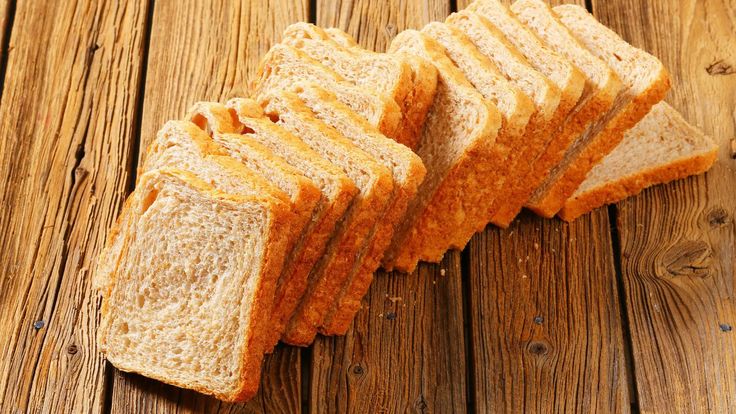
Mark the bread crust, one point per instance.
(634, 184)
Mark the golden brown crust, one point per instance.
(603, 144)
(628, 186)
(417, 102)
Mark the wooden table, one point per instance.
(630, 308)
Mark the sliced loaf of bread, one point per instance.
(386, 74)
(341, 258)
(408, 173)
(662, 147)
(284, 65)
(547, 97)
(645, 83)
(338, 192)
(458, 147)
(521, 127)
(190, 299)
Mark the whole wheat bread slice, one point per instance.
(284, 65)
(390, 75)
(408, 172)
(521, 128)
(338, 192)
(420, 97)
(645, 81)
(547, 97)
(375, 183)
(458, 147)
(662, 147)
(191, 294)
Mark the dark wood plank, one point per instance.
(405, 350)
(202, 50)
(67, 115)
(677, 240)
(545, 318)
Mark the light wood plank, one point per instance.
(405, 351)
(677, 240)
(545, 318)
(203, 50)
(67, 115)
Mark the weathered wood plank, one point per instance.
(405, 351)
(67, 116)
(546, 334)
(677, 240)
(202, 50)
(5, 12)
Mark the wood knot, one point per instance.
(688, 258)
(538, 348)
(72, 349)
(421, 404)
(720, 68)
(718, 217)
(358, 369)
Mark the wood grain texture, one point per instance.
(545, 318)
(405, 350)
(544, 314)
(5, 27)
(677, 241)
(67, 117)
(202, 50)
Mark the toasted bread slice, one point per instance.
(517, 109)
(338, 192)
(408, 172)
(284, 65)
(420, 97)
(551, 110)
(645, 81)
(375, 183)
(662, 147)
(458, 148)
(191, 294)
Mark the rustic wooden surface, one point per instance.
(630, 308)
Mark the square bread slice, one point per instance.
(601, 90)
(284, 65)
(521, 126)
(458, 148)
(375, 183)
(424, 85)
(645, 81)
(387, 74)
(338, 191)
(551, 110)
(408, 173)
(662, 147)
(192, 291)
(185, 146)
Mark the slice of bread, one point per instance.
(458, 148)
(420, 97)
(284, 65)
(389, 75)
(192, 292)
(183, 145)
(375, 183)
(662, 147)
(545, 94)
(408, 173)
(517, 109)
(338, 192)
(602, 87)
(646, 82)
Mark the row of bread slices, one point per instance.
(263, 220)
